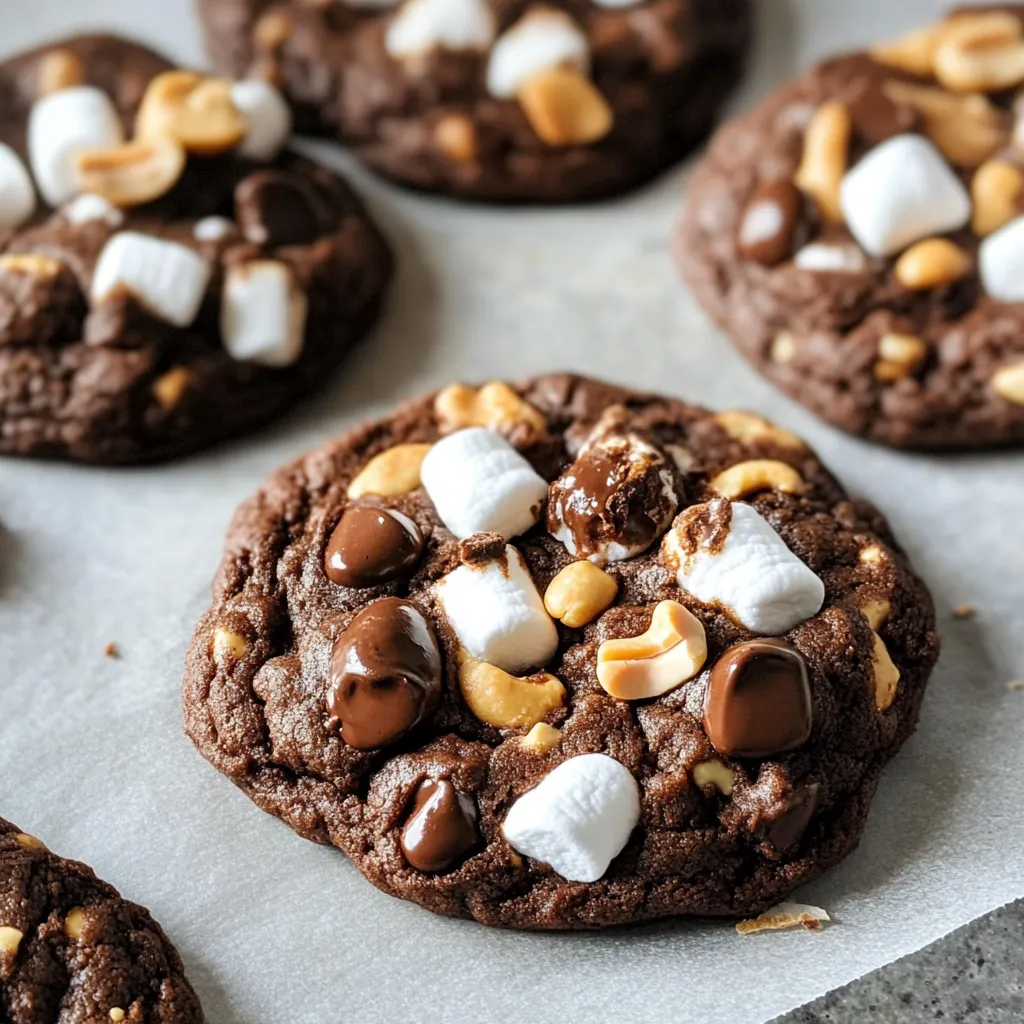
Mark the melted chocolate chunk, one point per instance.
(877, 117)
(788, 828)
(771, 222)
(277, 208)
(441, 829)
(372, 545)
(385, 674)
(759, 700)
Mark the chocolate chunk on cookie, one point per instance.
(496, 101)
(182, 276)
(860, 234)
(563, 655)
(71, 949)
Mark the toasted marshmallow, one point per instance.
(541, 39)
(1001, 262)
(61, 124)
(424, 25)
(263, 313)
(743, 565)
(89, 207)
(17, 196)
(497, 614)
(578, 818)
(269, 117)
(479, 483)
(167, 279)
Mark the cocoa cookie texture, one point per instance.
(494, 100)
(860, 236)
(166, 292)
(72, 949)
(493, 727)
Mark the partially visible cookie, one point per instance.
(165, 292)
(71, 949)
(494, 100)
(860, 234)
(563, 655)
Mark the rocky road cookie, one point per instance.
(71, 949)
(563, 656)
(860, 234)
(496, 99)
(168, 291)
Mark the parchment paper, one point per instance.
(274, 929)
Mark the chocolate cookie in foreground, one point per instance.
(71, 949)
(496, 101)
(563, 656)
(860, 234)
(173, 289)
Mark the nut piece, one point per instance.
(912, 52)
(876, 610)
(887, 675)
(995, 192)
(74, 923)
(10, 939)
(932, 263)
(785, 915)
(169, 388)
(899, 356)
(273, 30)
(871, 555)
(133, 173)
(579, 593)
(783, 348)
(541, 738)
(30, 263)
(1008, 383)
(672, 651)
(117, 1014)
(198, 112)
(391, 473)
(980, 53)
(29, 842)
(746, 426)
(455, 136)
(826, 151)
(228, 646)
(714, 773)
(564, 108)
(59, 69)
(757, 475)
(505, 701)
(495, 405)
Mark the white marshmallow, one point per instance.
(269, 117)
(902, 191)
(497, 613)
(370, 5)
(828, 258)
(89, 206)
(62, 124)
(541, 39)
(1001, 262)
(212, 229)
(263, 313)
(479, 483)
(423, 25)
(17, 196)
(578, 818)
(753, 574)
(168, 279)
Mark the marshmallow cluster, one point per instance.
(479, 483)
(578, 818)
(17, 196)
(269, 117)
(497, 614)
(424, 25)
(1001, 262)
(542, 39)
(263, 313)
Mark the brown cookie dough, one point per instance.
(124, 335)
(891, 315)
(71, 949)
(426, 714)
(590, 100)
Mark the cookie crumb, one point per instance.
(963, 611)
(1015, 685)
(112, 650)
(785, 915)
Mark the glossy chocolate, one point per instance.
(372, 545)
(441, 828)
(759, 700)
(877, 117)
(769, 227)
(385, 674)
(788, 828)
(277, 208)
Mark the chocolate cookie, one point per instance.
(614, 658)
(860, 234)
(170, 291)
(71, 949)
(497, 100)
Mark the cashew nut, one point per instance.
(980, 53)
(887, 675)
(133, 173)
(541, 738)
(995, 192)
(10, 939)
(393, 472)
(198, 112)
(455, 136)
(672, 651)
(826, 151)
(757, 475)
(746, 426)
(714, 773)
(931, 263)
(899, 355)
(564, 108)
(579, 593)
(912, 52)
(505, 701)
(494, 405)
(1008, 383)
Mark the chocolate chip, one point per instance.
(441, 829)
(768, 228)
(372, 545)
(276, 208)
(787, 829)
(385, 674)
(759, 700)
(877, 117)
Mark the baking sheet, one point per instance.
(273, 929)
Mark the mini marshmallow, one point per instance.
(479, 483)
(753, 574)
(541, 39)
(269, 117)
(89, 207)
(263, 313)
(901, 192)
(213, 229)
(578, 818)
(826, 258)
(166, 278)
(423, 25)
(497, 613)
(61, 124)
(17, 196)
(1001, 262)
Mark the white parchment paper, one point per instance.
(274, 929)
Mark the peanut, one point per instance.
(980, 53)
(541, 738)
(10, 939)
(59, 69)
(564, 108)
(714, 773)
(494, 405)
(1008, 383)
(887, 675)
(133, 173)
(746, 426)
(455, 136)
(198, 112)
(74, 923)
(227, 646)
(899, 356)
(505, 701)
(169, 388)
(826, 151)
(995, 192)
(757, 475)
(931, 263)
(117, 1015)
(393, 472)
(783, 348)
(871, 555)
(579, 593)
(29, 842)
